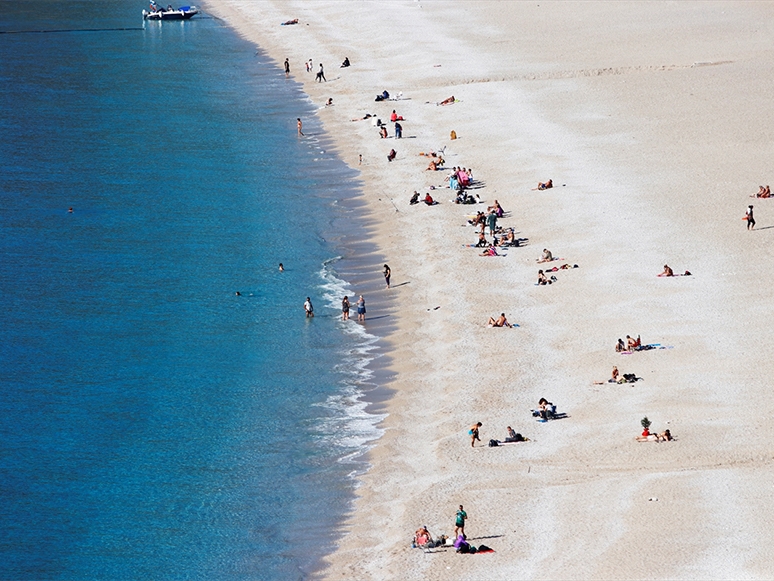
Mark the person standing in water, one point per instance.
(387, 274)
(361, 310)
(345, 308)
(287, 68)
(300, 125)
(309, 308)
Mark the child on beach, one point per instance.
(473, 433)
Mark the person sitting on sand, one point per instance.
(383, 132)
(473, 433)
(620, 347)
(545, 409)
(345, 64)
(414, 199)
(547, 256)
(614, 377)
(391, 155)
(509, 238)
(482, 243)
(542, 278)
(429, 200)
(448, 101)
(667, 271)
(423, 539)
(395, 117)
(631, 344)
(501, 321)
(432, 166)
(515, 436)
(763, 192)
(544, 185)
(329, 102)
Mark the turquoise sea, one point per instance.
(152, 423)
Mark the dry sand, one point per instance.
(654, 122)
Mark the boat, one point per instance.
(169, 13)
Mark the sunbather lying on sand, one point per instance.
(500, 321)
(290, 22)
(367, 116)
(448, 101)
(547, 256)
(491, 251)
(423, 539)
(544, 185)
(665, 436)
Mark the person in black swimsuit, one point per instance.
(345, 308)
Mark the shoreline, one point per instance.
(621, 113)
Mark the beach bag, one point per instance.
(493, 443)
(453, 135)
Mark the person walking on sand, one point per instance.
(321, 74)
(361, 310)
(345, 308)
(300, 125)
(387, 275)
(459, 523)
(750, 220)
(473, 433)
(287, 68)
(309, 308)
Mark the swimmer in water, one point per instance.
(281, 268)
(238, 294)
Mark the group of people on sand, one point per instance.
(513, 436)
(763, 192)
(424, 540)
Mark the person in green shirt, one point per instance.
(459, 527)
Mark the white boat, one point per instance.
(169, 13)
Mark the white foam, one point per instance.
(349, 427)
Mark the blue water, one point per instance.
(152, 423)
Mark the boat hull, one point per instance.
(169, 15)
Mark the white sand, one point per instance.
(657, 118)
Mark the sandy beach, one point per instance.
(652, 120)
